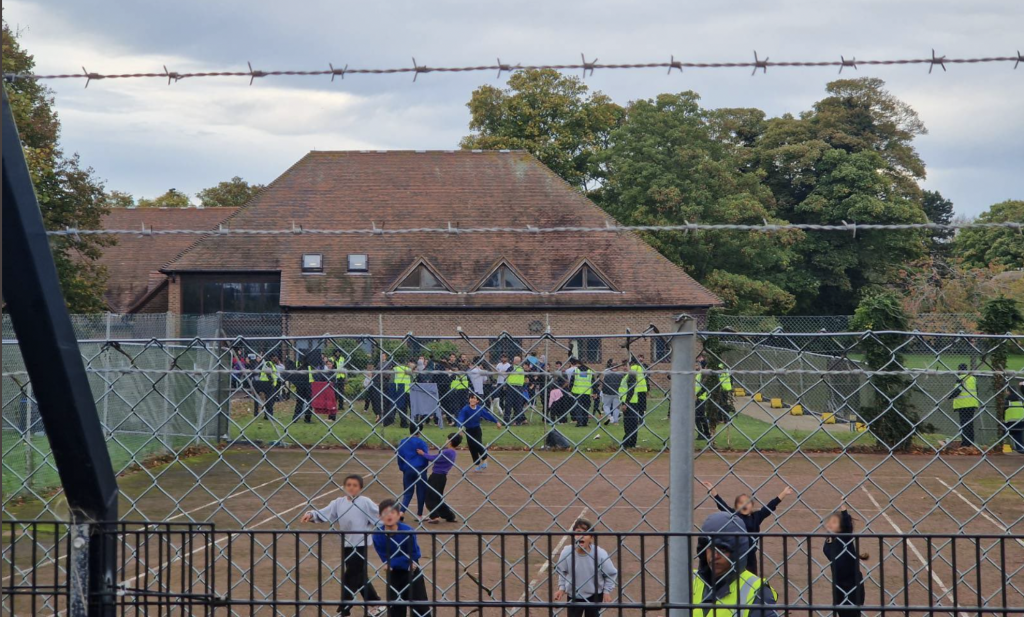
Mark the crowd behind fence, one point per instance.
(199, 569)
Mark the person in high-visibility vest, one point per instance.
(637, 368)
(629, 401)
(266, 387)
(403, 384)
(725, 390)
(458, 391)
(514, 395)
(721, 579)
(582, 391)
(966, 404)
(1014, 417)
(700, 413)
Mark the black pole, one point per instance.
(54, 363)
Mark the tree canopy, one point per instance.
(69, 194)
(982, 247)
(555, 117)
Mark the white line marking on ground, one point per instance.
(913, 547)
(988, 518)
(547, 564)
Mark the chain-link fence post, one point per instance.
(681, 406)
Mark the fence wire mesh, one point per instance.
(251, 432)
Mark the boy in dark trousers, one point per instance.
(469, 419)
(396, 545)
(355, 515)
(444, 461)
(841, 550)
(743, 507)
(413, 466)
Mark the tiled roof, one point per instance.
(434, 189)
(133, 264)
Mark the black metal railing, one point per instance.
(198, 569)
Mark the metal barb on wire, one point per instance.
(335, 72)
(1019, 58)
(588, 66)
(759, 64)
(418, 68)
(845, 63)
(254, 74)
(672, 64)
(91, 76)
(508, 68)
(939, 60)
(171, 75)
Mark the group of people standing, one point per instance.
(270, 379)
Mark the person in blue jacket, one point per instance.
(396, 545)
(413, 466)
(469, 420)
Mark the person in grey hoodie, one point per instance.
(721, 578)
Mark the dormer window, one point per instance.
(503, 279)
(421, 279)
(312, 263)
(586, 279)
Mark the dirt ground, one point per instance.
(541, 493)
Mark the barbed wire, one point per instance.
(253, 372)
(298, 230)
(501, 67)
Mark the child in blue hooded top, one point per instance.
(413, 466)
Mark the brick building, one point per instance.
(135, 283)
(429, 284)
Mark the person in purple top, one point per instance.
(469, 420)
(437, 509)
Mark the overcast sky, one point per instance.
(145, 137)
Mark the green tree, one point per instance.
(232, 193)
(173, 198)
(890, 417)
(1002, 246)
(1000, 316)
(553, 116)
(850, 159)
(939, 210)
(672, 161)
(69, 195)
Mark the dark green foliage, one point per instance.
(890, 417)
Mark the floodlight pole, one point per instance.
(681, 406)
(54, 363)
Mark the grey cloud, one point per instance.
(145, 137)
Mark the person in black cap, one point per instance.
(721, 578)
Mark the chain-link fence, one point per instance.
(253, 432)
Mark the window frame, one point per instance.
(366, 264)
(584, 271)
(312, 270)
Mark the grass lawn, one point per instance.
(354, 429)
(948, 362)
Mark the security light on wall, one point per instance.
(312, 262)
(358, 263)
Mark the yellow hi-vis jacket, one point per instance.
(743, 590)
(967, 395)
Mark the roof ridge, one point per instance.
(252, 201)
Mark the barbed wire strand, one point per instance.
(613, 228)
(586, 67)
(252, 372)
